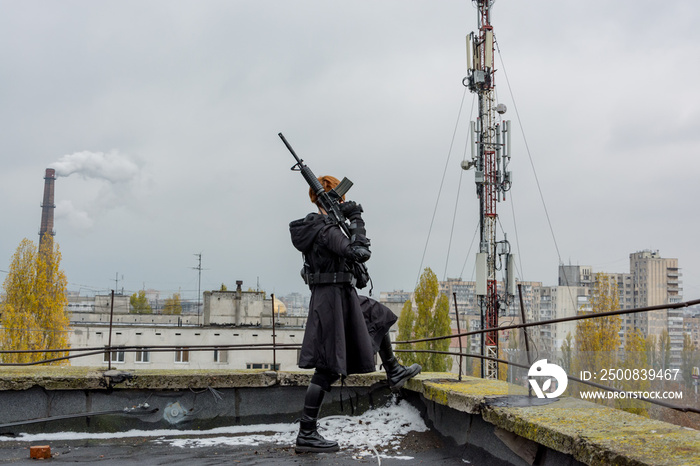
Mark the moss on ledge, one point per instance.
(93, 378)
(591, 433)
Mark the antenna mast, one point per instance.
(490, 149)
(199, 285)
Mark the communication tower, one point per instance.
(490, 156)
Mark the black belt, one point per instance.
(329, 278)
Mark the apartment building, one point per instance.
(652, 280)
(656, 281)
(558, 302)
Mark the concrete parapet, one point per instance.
(492, 415)
(82, 378)
(591, 433)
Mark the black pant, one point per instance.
(324, 378)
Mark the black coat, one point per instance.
(343, 330)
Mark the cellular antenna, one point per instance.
(490, 149)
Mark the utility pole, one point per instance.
(116, 283)
(199, 284)
(490, 151)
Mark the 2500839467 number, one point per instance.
(638, 374)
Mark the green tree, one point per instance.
(431, 319)
(665, 349)
(689, 359)
(139, 303)
(635, 359)
(440, 325)
(405, 323)
(567, 353)
(173, 305)
(34, 310)
(223, 287)
(650, 349)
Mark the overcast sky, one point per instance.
(162, 118)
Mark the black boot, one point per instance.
(308, 439)
(396, 374)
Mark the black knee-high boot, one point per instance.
(396, 374)
(308, 439)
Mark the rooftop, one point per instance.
(247, 416)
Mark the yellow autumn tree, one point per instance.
(34, 313)
(597, 340)
(139, 303)
(173, 305)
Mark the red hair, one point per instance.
(328, 182)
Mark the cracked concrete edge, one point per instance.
(600, 435)
(591, 433)
(63, 378)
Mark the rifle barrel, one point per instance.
(289, 147)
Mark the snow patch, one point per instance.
(381, 428)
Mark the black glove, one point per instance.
(360, 252)
(351, 210)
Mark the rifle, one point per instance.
(330, 202)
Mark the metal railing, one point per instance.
(526, 325)
(274, 346)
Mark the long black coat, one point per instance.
(343, 330)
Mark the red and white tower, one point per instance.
(490, 159)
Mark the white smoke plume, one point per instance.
(113, 166)
(76, 217)
(113, 180)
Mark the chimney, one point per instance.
(239, 291)
(47, 206)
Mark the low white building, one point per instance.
(232, 321)
(137, 346)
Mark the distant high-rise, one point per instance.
(47, 206)
(575, 275)
(651, 281)
(656, 281)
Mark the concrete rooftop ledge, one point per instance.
(582, 431)
(82, 378)
(590, 433)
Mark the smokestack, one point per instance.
(239, 291)
(48, 206)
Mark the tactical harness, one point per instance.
(326, 278)
(340, 277)
(345, 272)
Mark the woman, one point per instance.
(343, 330)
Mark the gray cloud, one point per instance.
(180, 103)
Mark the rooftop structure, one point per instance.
(217, 416)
